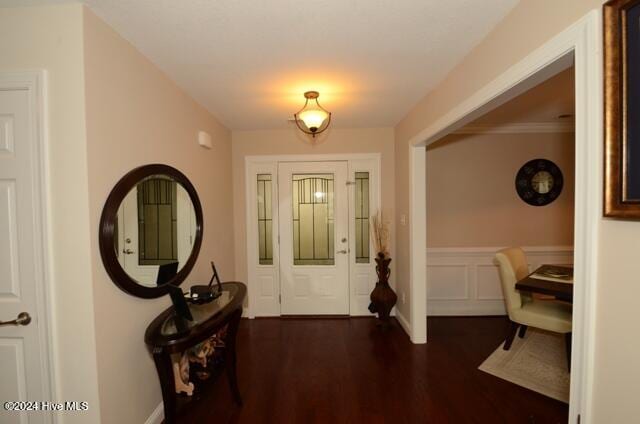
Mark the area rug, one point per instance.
(537, 362)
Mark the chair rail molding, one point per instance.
(466, 281)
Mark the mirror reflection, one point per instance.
(155, 229)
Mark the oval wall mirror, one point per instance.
(151, 230)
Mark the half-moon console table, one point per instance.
(164, 339)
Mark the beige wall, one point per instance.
(471, 196)
(136, 116)
(50, 38)
(527, 27)
(617, 370)
(292, 141)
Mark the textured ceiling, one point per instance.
(248, 62)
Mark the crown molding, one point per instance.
(519, 128)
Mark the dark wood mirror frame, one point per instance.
(109, 218)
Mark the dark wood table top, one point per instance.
(207, 318)
(561, 291)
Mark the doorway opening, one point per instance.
(506, 180)
(578, 44)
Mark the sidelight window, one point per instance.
(265, 220)
(362, 217)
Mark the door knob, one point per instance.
(23, 319)
(128, 252)
(343, 251)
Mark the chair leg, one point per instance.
(567, 341)
(523, 331)
(512, 334)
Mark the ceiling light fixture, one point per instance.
(312, 118)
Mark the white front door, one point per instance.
(23, 365)
(314, 230)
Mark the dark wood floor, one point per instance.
(347, 371)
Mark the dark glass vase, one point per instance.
(383, 298)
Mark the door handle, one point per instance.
(343, 251)
(23, 319)
(128, 252)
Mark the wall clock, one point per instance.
(539, 182)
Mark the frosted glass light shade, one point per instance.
(314, 117)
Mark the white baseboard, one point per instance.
(465, 280)
(245, 314)
(157, 415)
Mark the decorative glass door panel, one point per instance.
(157, 222)
(314, 251)
(313, 219)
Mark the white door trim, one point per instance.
(417, 243)
(35, 83)
(580, 42)
(269, 164)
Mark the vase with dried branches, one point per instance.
(383, 298)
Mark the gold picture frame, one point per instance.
(622, 109)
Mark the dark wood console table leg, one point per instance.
(164, 367)
(230, 356)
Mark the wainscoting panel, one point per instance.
(465, 281)
(486, 278)
(448, 282)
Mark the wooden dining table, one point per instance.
(561, 291)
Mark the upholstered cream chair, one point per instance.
(525, 311)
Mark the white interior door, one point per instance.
(314, 230)
(22, 361)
